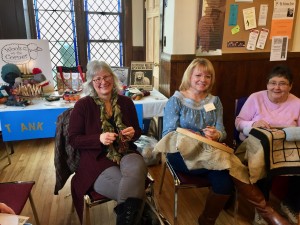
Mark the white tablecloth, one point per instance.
(153, 105)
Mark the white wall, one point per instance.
(180, 26)
(137, 22)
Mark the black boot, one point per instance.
(128, 212)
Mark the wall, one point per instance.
(137, 22)
(180, 24)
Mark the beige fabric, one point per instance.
(197, 155)
(254, 154)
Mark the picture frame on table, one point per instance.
(123, 74)
(141, 75)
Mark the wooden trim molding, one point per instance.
(127, 32)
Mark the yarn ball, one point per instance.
(10, 72)
(36, 70)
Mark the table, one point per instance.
(39, 119)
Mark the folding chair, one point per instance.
(182, 180)
(15, 195)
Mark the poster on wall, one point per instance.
(283, 18)
(210, 27)
(27, 54)
(279, 48)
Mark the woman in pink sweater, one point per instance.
(274, 107)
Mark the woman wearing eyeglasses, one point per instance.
(274, 107)
(103, 127)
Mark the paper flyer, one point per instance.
(249, 18)
(279, 48)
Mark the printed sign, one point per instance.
(27, 54)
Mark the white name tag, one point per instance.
(209, 107)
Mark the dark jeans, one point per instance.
(220, 180)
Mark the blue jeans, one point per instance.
(220, 180)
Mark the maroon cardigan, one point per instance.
(84, 135)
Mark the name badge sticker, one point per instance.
(209, 107)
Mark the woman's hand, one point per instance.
(128, 132)
(6, 209)
(107, 138)
(261, 123)
(211, 133)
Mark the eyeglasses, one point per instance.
(280, 84)
(100, 79)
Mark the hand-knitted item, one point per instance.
(120, 146)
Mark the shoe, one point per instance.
(149, 216)
(258, 220)
(254, 196)
(289, 213)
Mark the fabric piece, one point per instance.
(254, 154)
(199, 155)
(292, 133)
(268, 153)
(281, 157)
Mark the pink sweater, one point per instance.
(259, 107)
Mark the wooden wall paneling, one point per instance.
(138, 53)
(164, 81)
(127, 32)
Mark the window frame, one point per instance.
(80, 21)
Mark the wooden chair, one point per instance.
(92, 198)
(182, 180)
(15, 194)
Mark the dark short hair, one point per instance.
(281, 71)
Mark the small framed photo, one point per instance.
(141, 75)
(123, 74)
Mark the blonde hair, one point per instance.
(207, 67)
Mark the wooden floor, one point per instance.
(34, 160)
